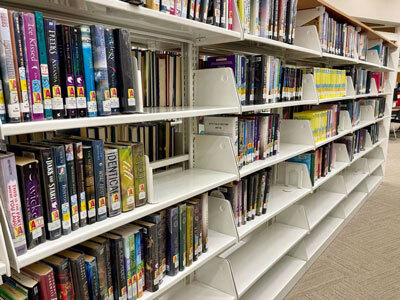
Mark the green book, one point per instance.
(189, 234)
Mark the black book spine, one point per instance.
(125, 70)
(77, 56)
(80, 183)
(150, 257)
(89, 184)
(67, 70)
(83, 283)
(112, 69)
(72, 190)
(223, 5)
(107, 250)
(53, 60)
(172, 241)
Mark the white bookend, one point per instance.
(307, 37)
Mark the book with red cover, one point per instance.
(44, 274)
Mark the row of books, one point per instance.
(319, 162)
(361, 79)
(378, 106)
(160, 139)
(52, 71)
(355, 142)
(383, 51)
(374, 132)
(330, 83)
(324, 120)
(161, 73)
(248, 197)
(380, 79)
(253, 137)
(272, 19)
(218, 13)
(122, 263)
(66, 183)
(354, 109)
(340, 38)
(260, 79)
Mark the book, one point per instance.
(163, 246)
(100, 70)
(112, 70)
(24, 282)
(53, 60)
(20, 67)
(11, 201)
(204, 220)
(79, 75)
(150, 247)
(197, 234)
(92, 276)
(156, 219)
(31, 200)
(64, 44)
(139, 174)
(189, 234)
(89, 184)
(113, 182)
(172, 241)
(7, 291)
(79, 279)
(88, 69)
(44, 68)
(43, 273)
(62, 275)
(125, 73)
(182, 236)
(8, 74)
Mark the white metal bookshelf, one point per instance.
(301, 219)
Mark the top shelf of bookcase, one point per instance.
(340, 15)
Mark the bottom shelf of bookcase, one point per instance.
(198, 291)
(217, 243)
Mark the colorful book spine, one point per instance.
(89, 184)
(21, 70)
(79, 75)
(8, 70)
(100, 70)
(31, 200)
(72, 186)
(99, 178)
(182, 236)
(10, 198)
(113, 183)
(112, 69)
(44, 68)
(189, 234)
(172, 241)
(126, 178)
(139, 174)
(125, 74)
(33, 66)
(3, 115)
(89, 71)
(53, 60)
(80, 183)
(92, 276)
(139, 263)
(204, 220)
(67, 69)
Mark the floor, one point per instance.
(363, 262)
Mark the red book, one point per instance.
(230, 14)
(45, 276)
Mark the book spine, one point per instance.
(83, 282)
(127, 265)
(28, 178)
(92, 278)
(79, 75)
(204, 220)
(100, 70)
(196, 231)
(197, 15)
(150, 255)
(126, 178)
(72, 189)
(88, 71)
(112, 69)
(182, 236)
(99, 179)
(189, 235)
(230, 14)
(139, 263)
(120, 269)
(172, 241)
(113, 183)
(49, 192)
(44, 68)
(80, 183)
(125, 70)
(53, 60)
(139, 174)
(3, 114)
(89, 184)
(8, 70)
(21, 71)
(67, 71)
(132, 256)
(12, 204)
(33, 67)
(163, 246)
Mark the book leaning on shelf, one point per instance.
(122, 263)
(51, 71)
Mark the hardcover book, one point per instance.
(100, 70)
(24, 282)
(9, 291)
(53, 60)
(44, 68)
(33, 68)
(182, 236)
(204, 220)
(172, 241)
(113, 182)
(8, 70)
(89, 184)
(197, 235)
(11, 201)
(189, 234)
(156, 219)
(112, 69)
(31, 200)
(92, 276)
(79, 75)
(43, 273)
(88, 70)
(139, 174)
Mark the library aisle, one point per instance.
(363, 261)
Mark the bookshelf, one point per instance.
(301, 219)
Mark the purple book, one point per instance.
(228, 61)
(33, 67)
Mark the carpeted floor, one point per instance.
(363, 262)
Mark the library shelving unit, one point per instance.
(264, 258)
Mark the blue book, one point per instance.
(112, 69)
(92, 276)
(88, 71)
(100, 70)
(304, 158)
(44, 68)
